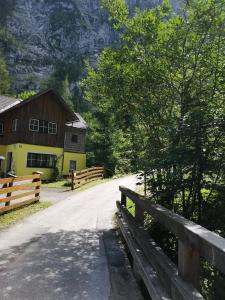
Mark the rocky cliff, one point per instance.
(53, 33)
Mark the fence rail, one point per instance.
(80, 178)
(26, 191)
(158, 272)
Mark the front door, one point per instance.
(9, 162)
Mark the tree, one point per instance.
(26, 95)
(65, 92)
(4, 77)
(167, 76)
(59, 81)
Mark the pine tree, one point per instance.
(4, 77)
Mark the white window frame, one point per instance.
(36, 125)
(43, 126)
(56, 128)
(72, 161)
(52, 155)
(14, 125)
(2, 128)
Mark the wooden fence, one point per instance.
(160, 275)
(80, 178)
(25, 190)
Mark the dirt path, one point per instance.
(61, 252)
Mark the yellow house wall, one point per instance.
(3, 153)
(80, 158)
(20, 159)
(19, 153)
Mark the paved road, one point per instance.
(61, 252)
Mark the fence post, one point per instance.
(123, 199)
(5, 185)
(10, 185)
(188, 263)
(72, 179)
(37, 195)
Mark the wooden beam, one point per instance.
(188, 263)
(18, 205)
(167, 271)
(210, 245)
(19, 196)
(143, 267)
(86, 175)
(20, 187)
(18, 179)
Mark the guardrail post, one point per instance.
(188, 263)
(123, 199)
(37, 180)
(139, 214)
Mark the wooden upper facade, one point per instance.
(42, 120)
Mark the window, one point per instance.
(34, 125)
(1, 128)
(73, 165)
(14, 125)
(52, 128)
(43, 126)
(39, 160)
(74, 138)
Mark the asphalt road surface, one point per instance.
(68, 251)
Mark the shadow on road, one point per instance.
(63, 265)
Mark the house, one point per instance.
(42, 134)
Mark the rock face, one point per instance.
(57, 32)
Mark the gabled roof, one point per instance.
(7, 103)
(15, 103)
(78, 123)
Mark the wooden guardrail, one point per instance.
(161, 276)
(25, 190)
(80, 178)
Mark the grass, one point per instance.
(131, 207)
(130, 204)
(64, 184)
(55, 185)
(93, 183)
(13, 217)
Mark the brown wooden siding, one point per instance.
(78, 147)
(46, 107)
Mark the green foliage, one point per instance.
(165, 83)
(118, 12)
(61, 79)
(26, 95)
(4, 77)
(168, 78)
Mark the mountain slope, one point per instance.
(56, 34)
